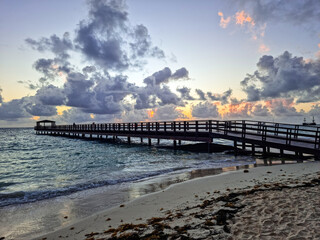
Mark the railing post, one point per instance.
(243, 134)
(197, 127)
(264, 132)
(184, 126)
(296, 131)
(316, 141)
(210, 126)
(174, 126)
(165, 126)
(141, 125)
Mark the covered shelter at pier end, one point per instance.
(45, 123)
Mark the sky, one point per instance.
(139, 60)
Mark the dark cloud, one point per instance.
(283, 108)
(51, 95)
(223, 98)
(108, 39)
(260, 111)
(78, 91)
(88, 69)
(201, 94)
(58, 46)
(185, 93)
(205, 110)
(181, 73)
(284, 76)
(165, 75)
(13, 110)
(40, 109)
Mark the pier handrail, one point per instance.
(257, 129)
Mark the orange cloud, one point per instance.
(242, 18)
(36, 118)
(151, 113)
(224, 21)
(92, 116)
(61, 109)
(263, 48)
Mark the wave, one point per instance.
(21, 197)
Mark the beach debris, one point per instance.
(72, 228)
(161, 209)
(122, 205)
(108, 219)
(246, 171)
(91, 234)
(65, 217)
(269, 172)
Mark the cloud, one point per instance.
(284, 76)
(295, 11)
(108, 39)
(165, 75)
(201, 94)
(263, 48)
(205, 110)
(40, 110)
(283, 107)
(224, 21)
(243, 17)
(51, 95)
(185, 93)
(58, 46)
(223, 98)
(167, 113)
(15, 109)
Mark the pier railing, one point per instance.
(235, 129)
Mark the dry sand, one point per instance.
(273, 202)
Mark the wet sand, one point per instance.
(274, 202)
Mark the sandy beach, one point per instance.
(272, 202)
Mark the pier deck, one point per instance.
(284, 137)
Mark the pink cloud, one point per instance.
(224, 21)
(243, 17)
(263, 48)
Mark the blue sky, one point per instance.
(215, 44)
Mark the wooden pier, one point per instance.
(250, 135)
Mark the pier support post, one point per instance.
(174, 144)
(235, 147)
(141, 140)
(114, 138)
(90, 136)
(268, 149)
(209, 147)
(149, 141)
(179, 142)
(281, 152)
(253, 149)
(129, 140)
(158, 141)
(264, 150)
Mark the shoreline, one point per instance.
(180, 196)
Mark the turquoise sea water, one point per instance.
(35, 167)
(44, 178)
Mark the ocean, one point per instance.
(44, 178)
